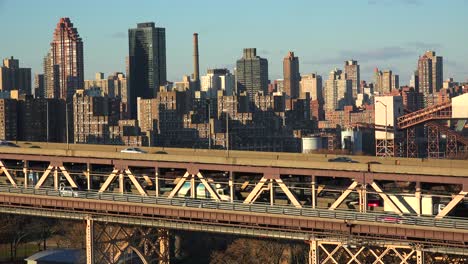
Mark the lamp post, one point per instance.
(66, 122)
(227, 131)
(47, 120)
(386, 125)
(209, 123)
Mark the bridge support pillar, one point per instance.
(419, 256)
(25, 173)
(88, 176)
(89, 241)
(314, 195)
(231, 186)
(363, 205)
(313, 252)
(272, 193)
(156, 182)
(417, 194)
(164, 250)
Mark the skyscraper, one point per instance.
(39, 88)
(312, 84)
(252, 74)
(216, 80)
(430, 73)
(12, 77)
(353, 73)
(338, 91)
(63, 65)
(291, 75)
(386, 82)
(147, 62)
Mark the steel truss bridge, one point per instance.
(434, 119)
(130, 202)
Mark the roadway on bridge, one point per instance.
(437, 167)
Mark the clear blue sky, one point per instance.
(389, 34)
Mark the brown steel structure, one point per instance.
(272, 170)
(455, 142)
(116, 240)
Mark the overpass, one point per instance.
(279, 195)
(453, 110)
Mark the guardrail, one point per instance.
(347, 216)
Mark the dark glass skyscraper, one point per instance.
(147, 62)
(252, 74)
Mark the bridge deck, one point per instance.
(241, 158)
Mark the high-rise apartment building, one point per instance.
(430, 73)
(147, 62)
(12, 77)
(385, 82)
(114, 85)
(39, 86)
(312, 84)
(395, 82)
(251, 74)
(291, 75)
(63, 65)
(8, 119)
(93, 116)
(338, 91)
(352, 71)
(216, 80)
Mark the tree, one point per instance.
(253, 251)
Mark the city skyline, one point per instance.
(397, 44)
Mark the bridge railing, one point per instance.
(346, 216)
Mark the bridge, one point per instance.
(456, 143)
(379, 208)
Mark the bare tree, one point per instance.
(254, 251)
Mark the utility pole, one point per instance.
(66, 121)
(209, 123)
(47, 120)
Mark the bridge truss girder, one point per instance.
(337, 252)
(109, 243)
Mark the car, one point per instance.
(133, 150)
(34, 147)
(392, 219)
(160, 152)
(68, 191)
(342, 159)
(4, 143)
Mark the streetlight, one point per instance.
(386, 125)
(209, 123)
(66, 122)
(227, 131)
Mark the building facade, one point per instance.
(291, 75)
(12, 77)
(430, 73)
(251, 74)
(39, 86)
(312, 84)
(338, 91)
(353, 73)
(147, 62)
(93, 116)
(63, 65)
(217, 80)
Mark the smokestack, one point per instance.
(196, 73)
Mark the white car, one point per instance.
(132, 150)
(67, 191)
